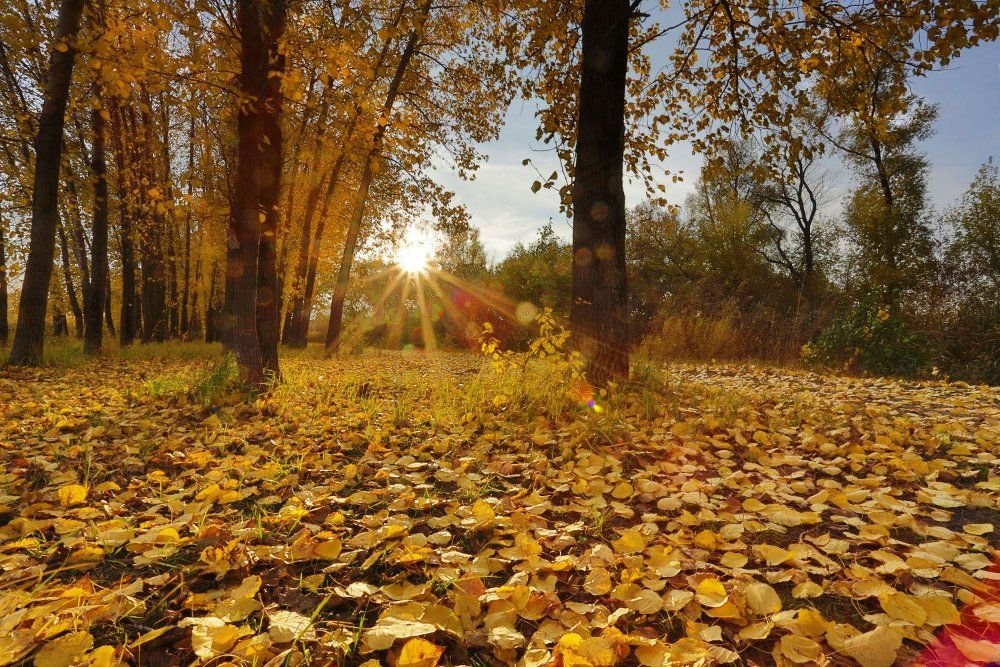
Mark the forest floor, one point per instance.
(418, 509)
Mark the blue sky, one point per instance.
(968, 132)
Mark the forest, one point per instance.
(272, 394)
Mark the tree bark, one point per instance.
(109, 316)
(336, 324)
(252, 223)
(29, 337)
(599, 310)
(268, 288)
(128, 322)
(186, 295)
(74, 302)
(94, 315)
(4, 324)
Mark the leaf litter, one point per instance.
(423, 510)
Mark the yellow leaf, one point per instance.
(288, 626)
(733, 560)
(711, 593)
(903, 607)
(85, 556)
(72, 494)
(807, 589)
(598, 582)
(622, 491)
(103, 656)
(645, 602)
(877, 648)
(978, 528)
(630, 542)
(811, 623)
(773, 555)
(483, 512)
(707, 539)
(762, 598)
(940, 610)
(801, 650)
(417, 652)
(64, 650)
(328, 550)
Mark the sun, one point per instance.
(413, 256)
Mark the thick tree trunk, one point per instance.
(29, 338)
(250, 258)
(268, 288)
(93, 331)
(599, 311)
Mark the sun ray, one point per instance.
(450, 309)
(492, 298)
(396, 327)
(426, 326)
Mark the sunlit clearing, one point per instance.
(414, 255)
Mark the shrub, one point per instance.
(867, 338)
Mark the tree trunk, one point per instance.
(129, 324)
(360, 200)
(335, 326)
(4, 325)
(268, 288)
(302, 314)
(60, 325)
(74, 302)
(109, 316)
(29, 338)
(155, 322)
(186, 295)
(97, 293)
(250, 259)
(599, 311)
(77, 235)
(298, 318)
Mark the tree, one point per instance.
(98, 290)
(734, 66)
(539, 273)
(361, 196)
(599, 307)
(29, 337)
(251, 294)
(886, 211)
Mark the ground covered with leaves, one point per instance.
(429, 509)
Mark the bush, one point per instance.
(866, 338)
